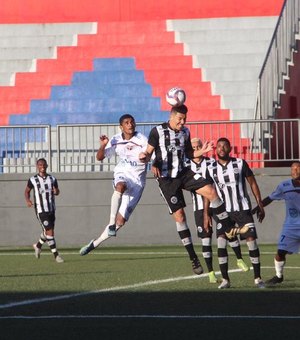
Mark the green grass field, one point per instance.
(141, 293)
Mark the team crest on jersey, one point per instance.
(171, 148)
(197, 176)
(174, 200)
(219, 226)
(221, 186)
(129, 147)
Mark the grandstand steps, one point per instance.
(94, 105)
(60, 65)
(29, 53)
(222, 35)
(37, 41)
(149, 27)
(230, 23)
(19, 65)
(191, 88)
(101, 91)
(43, 78)
(47, 29)
(7, 78)
(169, 62)
(230, 60)
(24, 92)
(230, 53)
(232, 74)
(104, 51)
(124, 39)
(87, 118)
(20, 106)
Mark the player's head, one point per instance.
(41, 165)
(295, 170)
(196, 143)
(127, 124)
(223, 148)
(125, 116)
(178, 117)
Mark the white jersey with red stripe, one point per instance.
(128, 152)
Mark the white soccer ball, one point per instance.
(176, 96)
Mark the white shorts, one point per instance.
(289, 240)
(130, 197)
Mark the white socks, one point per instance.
(279, 268)
(116, 199)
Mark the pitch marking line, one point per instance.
(105, 290)
(112, 289)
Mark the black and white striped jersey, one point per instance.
(230, 180)
(202, 169)
(43, 192)
(170, 147)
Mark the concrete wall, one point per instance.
(83, 210)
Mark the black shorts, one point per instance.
(171, 188)
(47, 220)
(241, 218)
(201, 232)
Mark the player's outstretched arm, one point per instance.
(100, 155)
(145, 156)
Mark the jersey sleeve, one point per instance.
(29, 184)
(246, 169)
(153, 137)
(110, 148)
(55, 183)
(277, 194)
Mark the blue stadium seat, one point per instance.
(113, 88)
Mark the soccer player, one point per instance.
(129, 176)
(45, 188)
(203, 219)
(289, 238)
(230, 175)
(171, 144)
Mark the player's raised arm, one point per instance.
(100, 155)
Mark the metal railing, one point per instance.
(278, 58)
(72, 148)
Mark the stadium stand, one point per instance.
(76, 70)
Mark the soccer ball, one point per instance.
(176, 96)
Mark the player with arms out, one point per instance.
(45, 188)
(289, 238)
(129, 176)
(202, 216)
(230, 175)
(171, 144)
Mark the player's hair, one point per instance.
(125, 116)
(196, 140)
(180, 109)
(41, 160)
(224, 139)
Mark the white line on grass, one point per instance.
(133, 286)
(105, 290)
(112, 289)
